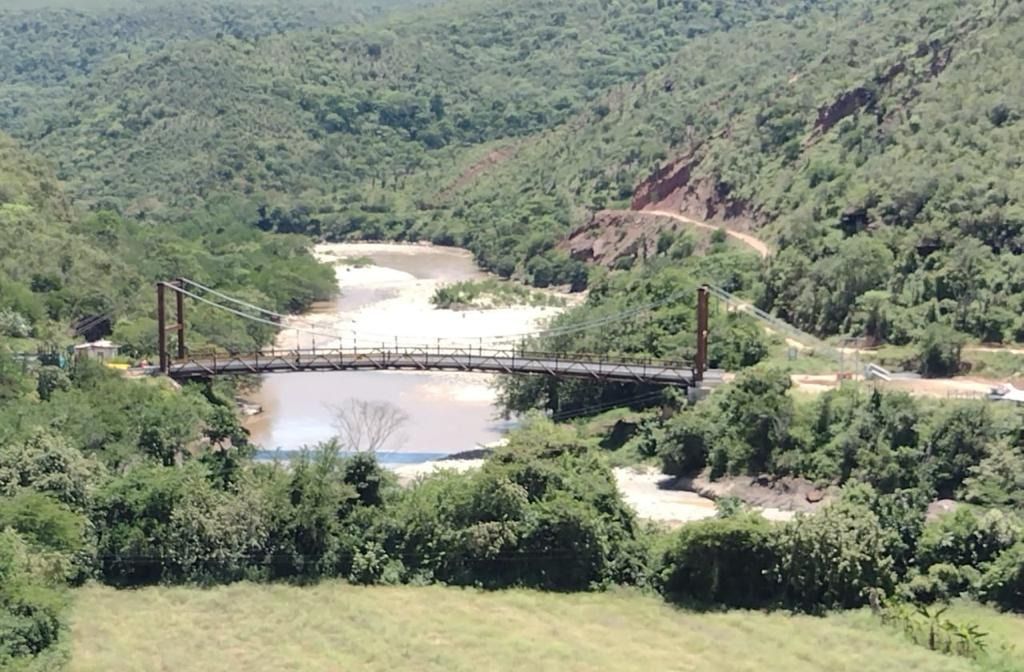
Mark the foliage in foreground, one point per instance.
(853, 434)
(135, 484)
(32, 608)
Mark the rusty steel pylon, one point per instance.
(161, 319)
(703, 328)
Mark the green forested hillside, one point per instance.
(47, 48)
(877, 145)
(52, 43)
(873, 142)
(68, 277)
(339, 118)
(95, 272)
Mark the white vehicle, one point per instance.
(1006, 393)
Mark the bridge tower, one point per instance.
(700, 364)
(161, 319)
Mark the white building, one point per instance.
(103, 351)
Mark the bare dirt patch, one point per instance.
(612, 235)
(786, 496)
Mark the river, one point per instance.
(388, 300)
(381, 302)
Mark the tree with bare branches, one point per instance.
(368, 426)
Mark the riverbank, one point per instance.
(651, 494)
(397, 289)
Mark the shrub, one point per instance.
(158, 524)
(1003, 583)
(940, 583)
(966, 539)
(307, 511)
(30, 609)
(958, 441)
(928, 627)
(46, 463)
(43, 521)
(132, 517)
(217, 537)
(754, 418)
(364, 473)
(684, 447)
(726, 562)
(834, 558)
(665, 241)
(938, 351)
(372, 565)
(544, 512)
(737, 342)
(998, 480)
(564, 546)
(51, 379)
(14, 324)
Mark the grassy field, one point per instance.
(338, 627)
(1005, 631)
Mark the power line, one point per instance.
(93, 322)
(232, 299)
(253, 318)
(316, 334)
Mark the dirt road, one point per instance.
(1006, 349)
(751, 241)
(952, 387)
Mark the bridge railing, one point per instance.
(212, 356)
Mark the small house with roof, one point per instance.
(102, 351)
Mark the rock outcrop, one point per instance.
(677, 187)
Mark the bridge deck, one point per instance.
(606, 369)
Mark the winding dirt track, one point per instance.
(948, 387)
(758, 245)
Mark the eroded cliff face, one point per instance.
(899, 84)
(613, 238)
(612, 235)
(674, 188)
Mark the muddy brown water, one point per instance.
(298, 406)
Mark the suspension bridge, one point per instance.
(498, 357)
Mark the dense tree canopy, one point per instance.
(874, 142)
(96, 271)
